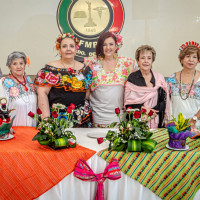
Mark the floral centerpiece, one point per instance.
(133, 133)
(56, 131)
(179, 129)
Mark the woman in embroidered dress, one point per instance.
(147, 88)
(19, 90)
(110, 72)
(184, 86)
(65, 81)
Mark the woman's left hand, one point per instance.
(192, 122)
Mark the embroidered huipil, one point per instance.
(188, 107)
(67, 86)
(107, 89)
(20, 100)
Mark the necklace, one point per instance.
(191, 84)
(70, 68)
(20, 82)
(114, 70)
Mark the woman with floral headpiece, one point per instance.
(110, 72)
(147, 89)
(19, 90)
(184, 85)
(65, 81)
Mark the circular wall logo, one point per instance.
(88, 19)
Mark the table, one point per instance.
(122, 189)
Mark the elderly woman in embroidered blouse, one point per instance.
(147, 88)
(110, 72)
(184, 85)
(19, 90)
(65, 81)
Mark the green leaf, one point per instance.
(113, 124)
(37, 136)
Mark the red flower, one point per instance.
(100, 140)
(41, 74)
(8, 119)
(1, 121)
(31, 114)
(136, 114)
(129, 108)
(39, 112)
(143, 110)
(59, 40)
(69, 109)
(150, 113)
(51, 78)
(54, 114)
(117, 111)
(72, 106)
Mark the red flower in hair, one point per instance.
(117, 111)
(39, 112)
(150, 113)
(54, 114)
(72, 105)
(69, 109)
(59, 40)
(100, 140)
(31, 114)
(136, 114)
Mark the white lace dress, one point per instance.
(22, 101)
(188, 107)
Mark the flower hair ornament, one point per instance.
(190, 43)
(28, 62)
(119, 41)
(66, 35)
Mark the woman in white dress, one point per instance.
(19, 90)
(110, 73)
(184, 86)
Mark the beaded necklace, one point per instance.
(20, 82)
(191, 84)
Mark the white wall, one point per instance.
(31, 26)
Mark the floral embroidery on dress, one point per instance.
(69, 79)
(15, 90)
(117, 77)
(174, 87)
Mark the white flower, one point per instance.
(58, 106)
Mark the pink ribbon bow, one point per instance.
(85, 173)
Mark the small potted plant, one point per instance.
(133, 132)
(56, 131)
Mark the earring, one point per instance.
(115, 56)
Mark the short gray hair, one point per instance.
(14, 55)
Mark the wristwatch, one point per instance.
(195, 118)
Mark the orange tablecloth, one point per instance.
(28, 169)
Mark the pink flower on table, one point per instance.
(125, 72)
(14, 92)
(104, 78)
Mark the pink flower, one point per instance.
(14, 91)
(191, 92)
(41, 74)
(104, 78)
(100, 140)
(94, 73)
(114, 77)
(126, 64)
(51, 78)
(124, 72)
